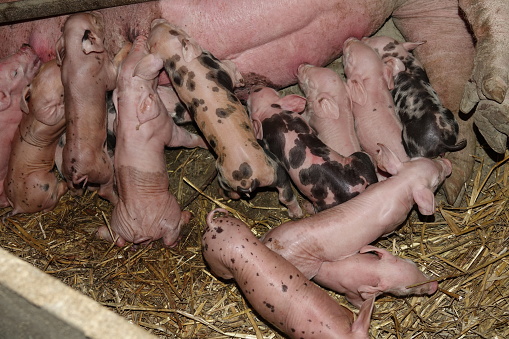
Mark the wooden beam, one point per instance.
(24, 10)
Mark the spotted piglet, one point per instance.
(277, 290)
(323, 175)
(205, 85)
(429, 128)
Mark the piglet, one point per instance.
(329, 108)
(341, 231)
(30, 185)
(369, 81)
(274, 287)
(16, 72)
(146, 210)
(371, 272)
(205, 85)
(323, 175)
(429, 129)
(87, 74)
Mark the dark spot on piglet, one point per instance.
(219, 229)
(45, 187)
(244, 172)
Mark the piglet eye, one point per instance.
(15, 73)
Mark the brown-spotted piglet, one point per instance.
(205, 85)
(16, 72)
(146, 210)
(87, 74)
(341, 231)
(31, 185)
(323, 175)
(274, 287)
(329, 108)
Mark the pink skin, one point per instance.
(242, 164)
(30, 185)
(263, 103)
(271, 54)
(370, 82)
(329, 108)
(401, 50)
(146, 210)
(378, 211)
(16, 72)
(371, 272)
(87, 72)
(274, 287)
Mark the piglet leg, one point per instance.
(275, 288)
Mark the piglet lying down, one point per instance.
(277, 290)
(317, 245)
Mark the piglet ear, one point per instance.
(25, 94)
(293, 102)
(387, 161)
(425, 200)
(60, 50)
(91, 43)
(395, 65)
(409, 46)
(258, 130)
(326, 107)
(147, 109)
(148, 67)
(357, 91)
(361, 325)
(388, 76)
(190, 49)
(380, 252)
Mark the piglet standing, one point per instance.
(205, 85)
(30, 185)
(329, 108)
(274, 287)
(369, 81)
(16, 72)
(316, 243)
(323, 175)
(429, 129)
(146, 210)
(87, 74)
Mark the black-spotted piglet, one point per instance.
(429, 128)
(274, 287)
(323, 175)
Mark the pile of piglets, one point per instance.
(350, 147)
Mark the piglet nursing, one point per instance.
(369, 81)
(429, 129)
(315, 243)
(30, 185)
(205, 85)
(274, 287)
(87, 74)
(16, 72)
(329, 108)
(146, 210)
(323, 175)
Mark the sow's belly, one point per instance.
(267, 40)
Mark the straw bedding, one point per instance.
(170, 292)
